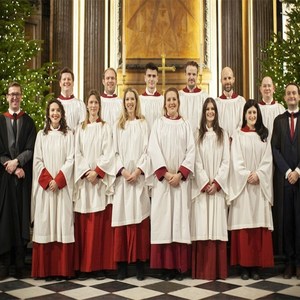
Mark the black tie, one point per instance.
(15, 125)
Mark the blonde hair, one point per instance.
(95, 93)
(124, 116)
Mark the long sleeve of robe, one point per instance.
(52, 212)
(250, 205)
(171, 145)
(93, 151)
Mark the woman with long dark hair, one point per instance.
(251, 195)
(210, 188)
(52, 203)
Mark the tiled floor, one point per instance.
(272, 287)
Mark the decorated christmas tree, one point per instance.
(282, 61)
(15, 54)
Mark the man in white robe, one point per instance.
(270, 108)
(111, 105)
(192, 97)
(75, 108)
(230, 104)
(151, 100)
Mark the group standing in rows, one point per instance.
(151, 177)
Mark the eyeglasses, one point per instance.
(17, 95)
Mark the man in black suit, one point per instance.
(286, 155)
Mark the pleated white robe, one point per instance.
(171, 145)
(209, 212)
(191, 105)
(52, 212)
(111, 109)
(230, 113)
(93, 148)
(250, 205)
(152, 108)
(131, 202)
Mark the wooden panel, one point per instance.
(94, 45)
(232, 50)
(62, 35)
(262, 28)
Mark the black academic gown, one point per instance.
(286, 155)
(15, 193)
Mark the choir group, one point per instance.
(150, 178)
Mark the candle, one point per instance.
(124, 60)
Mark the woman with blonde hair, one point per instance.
(131, 203)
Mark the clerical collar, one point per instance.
(194, 90)
(148, 93)
(247, 129)
(104, 95)
(62, 97)
(233, 96)
(14, 112)
(262, 102)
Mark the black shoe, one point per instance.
(49, 278)
(83, 276)
(288, 272)
(99, 275)
(255, 274)
(4, 273)
(245, 274)
(20, 274)
(179, 276)
(140, 273)
(170, 274)
(59, 278)
(122, 270)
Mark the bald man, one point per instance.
(270, 108)
(230, 104)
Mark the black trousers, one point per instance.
(291, 224)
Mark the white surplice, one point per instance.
(209, 212)
(250, 205)
(171, 145)
(269, 113)
(93, 148)
(152, 108)
(190, 109)
(111, 109)
(52, 212)
(75, 110)
(230, 113)
(131, 202)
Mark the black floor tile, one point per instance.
(217, 286)
(165, 287)
(13, 285)
(62, 286)
(113, 286)
(269, 286)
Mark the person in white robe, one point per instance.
(251, 195)
(131, 202)
(210, 189)
(111, 104)
(230, 104)
(192, 97)
(172, 153)
(52, 203)
(151, 100)
(74, 108)
(270, 108)
(94, 175)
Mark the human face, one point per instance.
(267, 89)
(66, 84)
(227, 80)
(130, 103)
(292, 97)
(251, 117)
(151, 79)
(54, 115)
(109, 82)
(93, 106)
(172, 104)
(14, 98)
(210, 114)
(191, 74)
